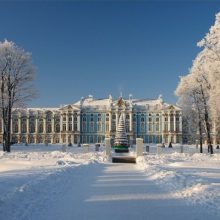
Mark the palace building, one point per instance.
(91, 120)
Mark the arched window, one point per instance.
(49, 128)
(23, 128)
(41, 128)
(32, 128)
(57, 128)
(15, 128)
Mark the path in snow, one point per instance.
(98, 191)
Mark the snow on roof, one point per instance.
(144, 102)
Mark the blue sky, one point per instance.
(104, 47)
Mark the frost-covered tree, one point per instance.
(204, 77)
(211, 47)
(190, 100)
(16, 78)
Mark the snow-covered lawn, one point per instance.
(42, 182)
(189, 175)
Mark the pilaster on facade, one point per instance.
(110, 121)
(28, 123)
(131, 121)
(53, 123)
(78, 121)
(169, 122)
(36, 124)
(162, 127)
(67, 122)
(61, 122)
(174, 122)
(44, 124)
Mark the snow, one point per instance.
(42, 182)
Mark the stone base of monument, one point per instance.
(123, 158)
(121, 150)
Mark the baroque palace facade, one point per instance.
(91, 120)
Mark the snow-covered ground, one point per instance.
(42, 182)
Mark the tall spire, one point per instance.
(121, 141)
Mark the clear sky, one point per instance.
(104, 47)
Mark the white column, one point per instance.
(168, 121)
(36, 124)
(61, 122)
(44, 121)
(52, 123)
(131, 121)
(19, 123)
(61, 127)
(110, 121)
(174, 122)
(67, 123)
(72, 123)
(28, 122)
(163, 126)
(78, 121)
(174, 127)
(169, 136)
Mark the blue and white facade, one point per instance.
(91, 120)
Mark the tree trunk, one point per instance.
(200, 134)
(207, 124)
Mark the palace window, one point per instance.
(49, 128)
(84, 127)
(150, 127)
(158, 139)
(32, 128)
(107, 117)
(91, 128)
(40, 128)
(99, 140)
(134, 117)
(91, 117)
(75, 126)
(23, 128)
(157, 127)
(99, 127)
(15, 128)
(57, 128)
(84, 117)
(64, 127)
(150, 139)
(69, 127)
(84, 139)
(91, 139)
(142, 127)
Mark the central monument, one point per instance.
(121, 140)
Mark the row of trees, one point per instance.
(199, 90)
(16, 78)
